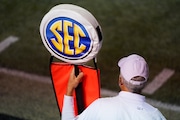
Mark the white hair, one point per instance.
(134, 88)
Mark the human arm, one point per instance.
(68, 103)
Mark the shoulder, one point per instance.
(103, 102)
(106, 103)
(106, 100)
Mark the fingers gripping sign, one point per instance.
(73, 82)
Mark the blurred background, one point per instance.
(149, 28)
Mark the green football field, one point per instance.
(149, 28)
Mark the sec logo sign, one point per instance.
(68, 38)
(71, 33)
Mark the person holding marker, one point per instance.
(129, 104)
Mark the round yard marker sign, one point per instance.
(71, 33)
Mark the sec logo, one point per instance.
(71, 33)
(68, 38)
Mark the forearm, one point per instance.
(68, 108)
(69, 91)
(68, 105)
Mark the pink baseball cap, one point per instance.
(132, 66)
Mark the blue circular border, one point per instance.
(83, 40)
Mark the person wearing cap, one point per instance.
(129, 104)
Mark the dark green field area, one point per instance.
(26, 99)
(149, 28)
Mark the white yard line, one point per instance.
(158, 81)
(7, 42)
(104, 92)
(25, 75)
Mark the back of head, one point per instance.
(135, 71)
